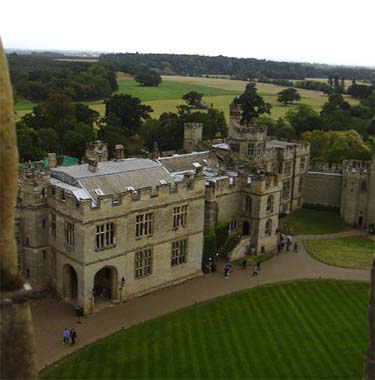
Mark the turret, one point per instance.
(192, 136)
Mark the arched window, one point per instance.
(268, 228)
(269, 206)
(248, 204)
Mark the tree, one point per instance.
(289, 95)
(252, 104)
(303, 119)
(148, 78)
(129, 111)
(193, 99)
(360, 91)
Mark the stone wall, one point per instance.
(323, 188)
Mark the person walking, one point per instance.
(226, 270)
(244, 263)
(288, 242)
(255, 270)
(66, 336)
(73, 337)
(258, 265)
(295, 247)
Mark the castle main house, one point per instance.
(110, 230)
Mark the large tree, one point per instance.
(129, 111)
(193, 99)
(289, 95)
(148, 78)
(252, 104)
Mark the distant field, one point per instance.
(218, 91)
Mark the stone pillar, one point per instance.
(17, 348)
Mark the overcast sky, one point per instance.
(331, 31)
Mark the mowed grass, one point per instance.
(300, 330)
(347, 252)
(312, 222)
(219, 92)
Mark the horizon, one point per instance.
(334, 33)
(99, 52)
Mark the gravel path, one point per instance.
(52, 316)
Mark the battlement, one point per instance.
(325, 167)
(128, 200)
(357, 166)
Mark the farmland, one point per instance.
(216, 91)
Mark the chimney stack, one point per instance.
(119, 152)
(93, 165)
(155, 151)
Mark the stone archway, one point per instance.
(70, 289)
(105, 287)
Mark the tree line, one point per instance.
(236, 68)
(35, 78)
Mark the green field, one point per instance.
(347, 252)
(312, 222)
(218, 91)
(299, 330)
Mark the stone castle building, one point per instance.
(110, 230)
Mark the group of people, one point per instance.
(69, 336)
(228, 268)
(286, 241)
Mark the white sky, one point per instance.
(331, 31)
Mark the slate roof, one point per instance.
(183, 162)
(279, 144)
(112, 177)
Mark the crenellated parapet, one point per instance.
(325, 167)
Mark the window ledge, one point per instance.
(104, 248)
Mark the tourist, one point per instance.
(278, 248)
(66, 336)
(295, 247)
(258, 265)
(255, 270)
(244, 264)
(227, 270)
(73, 336)
(288, 242)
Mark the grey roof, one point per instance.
(182, 162)
(279, 144)
(113, 177)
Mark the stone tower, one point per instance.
(192, 136)
(33, 228)
(358, 193)
(369, 368)
(247, 143)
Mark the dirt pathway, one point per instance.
(52, 316)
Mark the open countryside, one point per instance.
(216, 91)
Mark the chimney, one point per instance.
(119, 152)
(52, 161)
(93, 165)
(155, 151)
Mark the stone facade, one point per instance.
(110, 230)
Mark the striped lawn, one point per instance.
(298, 330)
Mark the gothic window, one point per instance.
(69, 234)
(180, 216)
(268, 228)
(248, 204)
(105, 235)
(250, 150)
(300, 184)
(233, 224)
(179, 251)
(53, 225)
(143, 263)
(143, 224)
(269, 205)
(288, 167)
(286, 190)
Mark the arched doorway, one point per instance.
(70, 290)
(245, 229)
(105, 285)
(360, 221)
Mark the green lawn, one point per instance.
(299, 330)
(347, 252)
(312, 222)
(218, 91)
